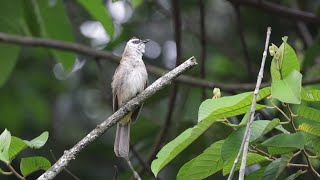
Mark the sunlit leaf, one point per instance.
(288, 89)
(284, 62)
(209, 116)
(310, 95)
(310, 129)
(97, 10)
(295, 140)
(5, 139)
(309, 113)
(16, 146)
(274, 169)
(32, 164)
(39, 141)
(211, 107)
(136, 3)
(204, 165)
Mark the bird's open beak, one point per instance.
(146, 40)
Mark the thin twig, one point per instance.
(203, 45)
(71, 154)
(245, 142)
(15, 172)
(104, 55)
(115, 172)
(171, 104)
(243, 42)
(65, 169)
(135, 174)
(279, 10)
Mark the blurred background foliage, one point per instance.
(66, 94)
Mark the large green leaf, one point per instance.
(310, 95)
(5, 139)
(288, 89)
(98, 11)
(16, 146)
(310, 129)
(237, 107)
(39, 141)
(274, 169)
(211, 107)
(252, 159)
(256, 175)
(32, 164)
(232, 144)
(204, 165)
(309, 113)
(295, 140)
(284, 62)
(54, 23)
(10, 18)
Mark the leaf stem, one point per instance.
(15, 172)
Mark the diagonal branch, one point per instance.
(279, 10)
(104, 55)
(71, 154)
(246, 137)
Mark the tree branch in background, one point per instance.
(203, 45)
(173, 95)
(71, 154)
(246, 137)
(243, 42)
(104, 55)
(279, 10)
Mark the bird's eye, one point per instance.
(136, 41)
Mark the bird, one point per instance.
(129, 79)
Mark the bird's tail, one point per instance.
(122, 141)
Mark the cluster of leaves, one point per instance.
(11, 146)
(273, 153)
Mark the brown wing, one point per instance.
(136, 113)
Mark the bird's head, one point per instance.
(136, 44)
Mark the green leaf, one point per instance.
(32, 164)
(204, 165)
(211, 107)
(39, 141)
(252, 159)
(237, 107)
(284, 62)
(16, 146)
(295, 140)
(98, 11)
(232, 144)
(5, 139)
(245, 118)
(310, 95)
(310, 129)
(295, 175)
(309, 113)
(275, 168)
(136, 3)
(11, 17)
(288, 90)
(280, 150)
(54, 23)
(256, 175)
